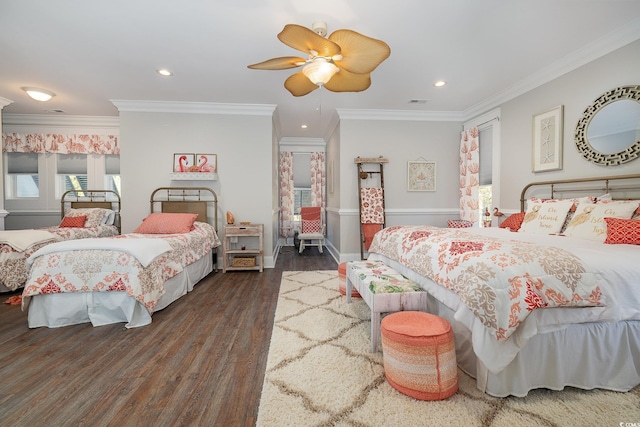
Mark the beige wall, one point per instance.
(244, 147)
(575, 91)
(399, 141)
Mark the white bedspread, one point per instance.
(617, 271)
(144, 250)
(21, 240)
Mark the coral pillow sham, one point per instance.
(73, 221)
(167, 223)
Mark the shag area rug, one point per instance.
(320, 372)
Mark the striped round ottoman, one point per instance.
(342, 282)
(419, 355)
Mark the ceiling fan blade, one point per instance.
(299, 85)
(360, 54)
(305, 40)
(281, 63)
(344, 81)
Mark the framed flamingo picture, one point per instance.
(183, 161)
(207, 162)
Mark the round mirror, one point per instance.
(609, 131)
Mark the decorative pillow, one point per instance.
(622, 231)
(576, 201)
(167, 223)
(109, 217)
(73, 221)
(545, 218)
(588, 221)
(513, 222)
(311, 226)
(95, 216)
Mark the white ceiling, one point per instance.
(91, 52)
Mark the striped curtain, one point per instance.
(286, 194)
(469, 175)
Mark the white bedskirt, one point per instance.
(103, 308)
(587, 355)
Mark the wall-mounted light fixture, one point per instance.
(39, 94)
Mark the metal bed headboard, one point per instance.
(83, 199)
(620, 187)
(186, 200)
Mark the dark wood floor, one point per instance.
(200, 363)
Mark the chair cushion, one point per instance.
(311, 226)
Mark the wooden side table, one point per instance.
(249, 236)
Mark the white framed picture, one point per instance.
(421, 175)
(547, 140)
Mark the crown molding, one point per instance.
(4, 102)
(302, 144)
(193, 107)
(53, 120)
(597, 49)
(427, 116)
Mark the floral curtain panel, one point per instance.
(318, 179)
(286, 194)
(318, 182)
(469, 175)
(58, 143)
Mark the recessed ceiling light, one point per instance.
(39, 94)
(304, 126)
(418, 101)
(440, 83)
(165, 72)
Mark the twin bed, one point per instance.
(549, 306)
(126, 278)
(84, 214)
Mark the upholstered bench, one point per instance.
(384, 290)
(342, 281)
(419, 355)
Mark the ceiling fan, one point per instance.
(342, 62)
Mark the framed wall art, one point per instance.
(421, 175)
(547, 140)
(207, 162)
(183, 161)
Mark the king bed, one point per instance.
(84, 214)
(554, 304)
(127, 278)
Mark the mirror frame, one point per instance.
(582, 143)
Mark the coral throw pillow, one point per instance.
(513, 222)
(73, 221)
(167, 223)
(622, 231)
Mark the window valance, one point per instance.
(58, 143)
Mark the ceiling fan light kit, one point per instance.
(319, 70)
(341, 63)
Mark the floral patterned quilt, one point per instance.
(13, 263)
(97, 270)
(500, 281)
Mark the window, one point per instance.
(485, 191)
(302, 197)
(112, 173)
(71, 173)
(22, 180)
